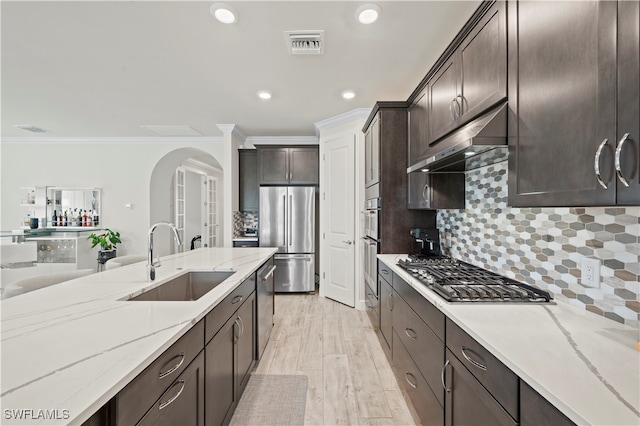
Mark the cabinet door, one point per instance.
(418, 196)
(249, 187)
(483, 62)
(418, 126)
(246, 342)
(220, 374)
(183, 403)
(562, 96)
(444, 104)
(303, 166)
(629, 101)
(386, 310)
(467, 402)
(535, 410)
(367, 157)
(273, 165)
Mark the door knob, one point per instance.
(348, 242)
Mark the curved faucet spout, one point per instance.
(150, 263)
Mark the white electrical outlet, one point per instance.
(591, 272)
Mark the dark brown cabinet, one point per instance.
(573, 96)
(248, 180)
(229, 357)
(535, 410)
(418, 118)
(386, 312)
(372, 153)
(288, 165)
(473, 79)
(183, 403)
(435, 191)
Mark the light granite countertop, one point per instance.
(587, 366)
(68, 349)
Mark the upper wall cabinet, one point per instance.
(288, 165)
(473, 79)
(249, 189)
(418, 117)
(372, 153)
(573, 96)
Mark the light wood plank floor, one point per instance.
(350, 379)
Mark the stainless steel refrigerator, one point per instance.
(287, 221)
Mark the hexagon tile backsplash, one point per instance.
(545, 246)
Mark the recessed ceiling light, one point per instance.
(348, 94)
(223, 13)
(368, 13)
(263, 94)
(424, 170)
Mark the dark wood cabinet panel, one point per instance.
(535, 410)
(220, 374)
(436, 191)
(629, 101)
(418, 128)
(444, 104)
(473, 79)
(428, 313)
(467, 401)
(249, 187)
(273, 164)
(372, 153)
(562, 100)
(303, 166)
(386, 311)
(183, 403)
(288, 165)
(246, 342)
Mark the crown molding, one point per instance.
(282, 140)
(356, 114)
(234, 130)
(112, 140)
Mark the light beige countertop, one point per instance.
(71, 347)
(587, 366)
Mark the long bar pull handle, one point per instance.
(596, 164)
(444, 368)
(459, 105)
(268, 274)
(236, 330)
(241, 326)
(618, 165)
(164, 405)
(471, 360)
(168, 372)
(413, 382)
(424, 195)
(451, 112)
(290, 219)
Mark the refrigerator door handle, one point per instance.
(286, 219)
(290, 219)
(306, 257)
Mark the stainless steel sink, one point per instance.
(188, 287)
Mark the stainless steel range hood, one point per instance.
(481, 142)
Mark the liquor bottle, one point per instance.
(84, 218)
(54, 219)
(90, 218)
(96, 220)
(79, 218)
(60, 219)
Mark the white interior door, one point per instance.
(338, 200)
(180, 206)
(209, 211)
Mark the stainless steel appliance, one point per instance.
(429, 240)
(287, 221)
(371, 243)
(265, 295)
(457, 281)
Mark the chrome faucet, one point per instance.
(150, 263)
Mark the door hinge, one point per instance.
(324, 157)
(323, 277)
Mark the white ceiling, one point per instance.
(103, 69)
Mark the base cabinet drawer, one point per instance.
(221, 313)
(134, 400)
(421, 306)
(373, 308)
(424, 401)
(183, 403)
(497, 378)
(422, 345)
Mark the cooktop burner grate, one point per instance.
(458, 281)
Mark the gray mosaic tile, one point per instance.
(545, 246)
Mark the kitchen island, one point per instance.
(587, 366)
(69, 349)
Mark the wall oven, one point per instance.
(371, 244)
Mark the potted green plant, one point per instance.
(107, 242)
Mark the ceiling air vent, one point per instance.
(305, 42)
(30, 128)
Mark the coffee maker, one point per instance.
(429, 240)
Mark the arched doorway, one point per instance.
(196, 166)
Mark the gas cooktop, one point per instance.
(457, 281)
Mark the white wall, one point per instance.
(122, 168)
